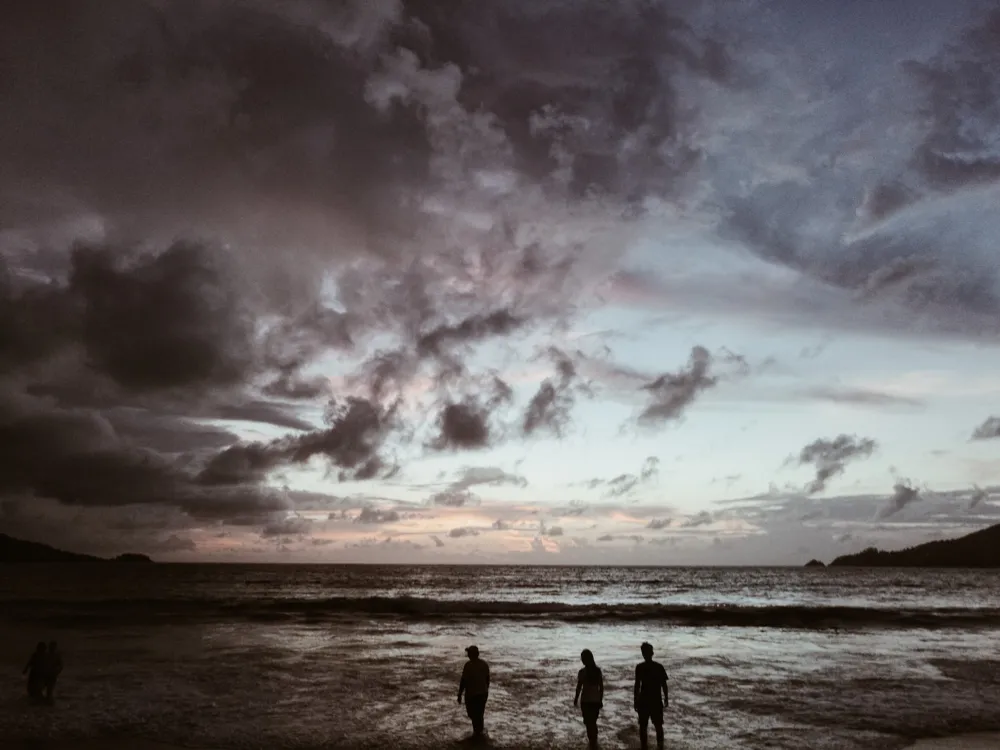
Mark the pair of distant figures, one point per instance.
(650, 695)
(43, 670)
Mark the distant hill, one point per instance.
(980, 549)
(18, 550)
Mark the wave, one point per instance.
(416, 608)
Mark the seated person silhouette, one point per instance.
(475, 684)
(590, 683)
(650, 679)
(35, 669)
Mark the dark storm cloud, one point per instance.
(149, 342)
(462, 426)
(388, 372)
(298, 138)
(148, 321)
(409, 177)
(988, 430)
(437, 541)
(316, 130)
(165, 321)
(181, 110)
(352, 443)
(299, 338)
(76, 457)
(657, 524)
(671, 393)
(553, 531)
(463, 532)
(36, 319)
(830, 457)
(544, 101)
(903, 493)
(474, 328)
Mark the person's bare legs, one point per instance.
(643, 730)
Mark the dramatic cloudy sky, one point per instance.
(512, 280)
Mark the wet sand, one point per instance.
(985, 741)
(110, 743)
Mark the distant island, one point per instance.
(20, 551)
(980, 549)
(815, 564)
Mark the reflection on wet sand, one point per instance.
(986, 741)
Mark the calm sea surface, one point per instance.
(367, 656)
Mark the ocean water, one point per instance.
(310, 657)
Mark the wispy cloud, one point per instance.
(988, 430)
(830, 457)
(624, 485)
(903, 494)
(860, 397)
(670, 394)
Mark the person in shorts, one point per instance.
(650, 695)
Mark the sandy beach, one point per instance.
(985, 741)
(218, 658)
(110, 743)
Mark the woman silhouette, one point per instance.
(590, 682)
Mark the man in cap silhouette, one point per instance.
(475, 684)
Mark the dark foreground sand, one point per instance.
(119, 743)
(985, 741)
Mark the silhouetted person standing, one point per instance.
(475, 684)
(53, 667)
(590, 686)
(650, 679)
(35, 669)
